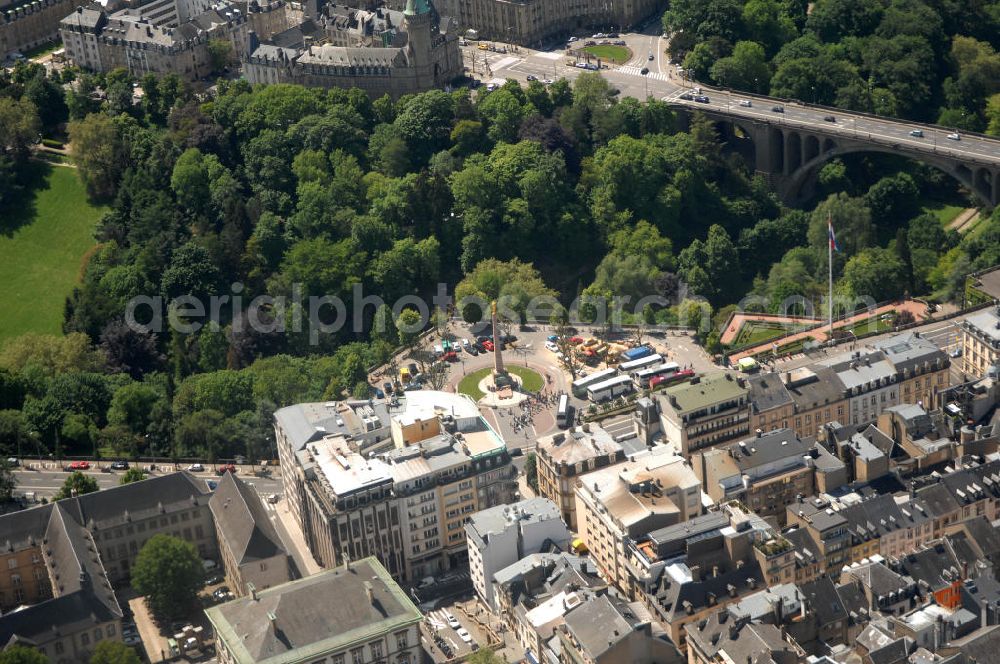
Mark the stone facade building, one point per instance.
(420, 54)
(25, 25)
(165, 36)
(535, 22)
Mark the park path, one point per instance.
(965, 220)
(918, 309)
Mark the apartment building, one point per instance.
(851, 388)
(62, 559)
(826, 527)
(25, 25)
(704, 411)
(564, 456)
(252, 553)
(980, 342)
(499, 536)
(766, 472)
(614, 504)
(536, 22)
(407, 506)
(355, 613)
(141, 43)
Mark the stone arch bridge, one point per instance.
(789, 147)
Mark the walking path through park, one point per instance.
(918, 309)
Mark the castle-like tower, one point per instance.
(418, 18)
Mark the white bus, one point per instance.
(580, 385)
(640, 364)
(643, 377)
(609, 389)
(562, 413)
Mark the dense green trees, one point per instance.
(76, 484)
(114, 652)
(910, 58)
(169, 573)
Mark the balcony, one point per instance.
(773, 547)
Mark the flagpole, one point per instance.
(829, 249)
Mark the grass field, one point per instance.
(530, 381)
(43, 236)
(756, 332)
(610, 52)
(869, 325)
(944, 212)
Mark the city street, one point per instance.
(663, 81)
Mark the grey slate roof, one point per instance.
(824, 600)
(314, 616)
(243, 522)
(597, 626)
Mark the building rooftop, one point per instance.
(307, 422)
(986, 323)
(243, 522)
(597, 626)
(702, 392)
(578, 445)
(633, 491)
(767, 392)
(496, 520)
(823, 388)
(297, 621)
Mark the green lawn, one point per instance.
(610, 52)
(944, 212)
(470, 384)
(869, 325)
(43, 236)
(531, 381)
(756, 332)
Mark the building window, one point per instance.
(59, 647)
(358, 656)
(401, 639)
(85, 639)
(98, 635)
(111, 629)
(12, 563)
(376, 648)
(15, 580)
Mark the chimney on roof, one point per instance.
(273, 618)
(369, 592)
(252, 590)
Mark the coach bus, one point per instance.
(580, 385)
(609, 389)
(640, 364)
(562, 413)
(666, 369)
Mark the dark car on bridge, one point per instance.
(701, 99)
(829, 118)
(778, 109)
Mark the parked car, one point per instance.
(547, 81)
(472, 350)
(464, 634)
(452, 620)
(13, 462)
(273, 498)
(552, 337)
(531, 77)
(387, 387)
(650, 57)
(488, 345)
(576, 340)
(572, 39)
(379, 394)
(550, 345)
(450, 356)
(917, 133)
(119, 465)
(778, 109)
(196, 468)
(953, 137)
(225, 468)
(482, 338)
(79, 465)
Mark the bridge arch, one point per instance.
(980, 180)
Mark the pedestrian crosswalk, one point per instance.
(637, 71)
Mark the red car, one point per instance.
(488, 345)
(226, 468)
(450, 356)
(576, 340)
(79, 465)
